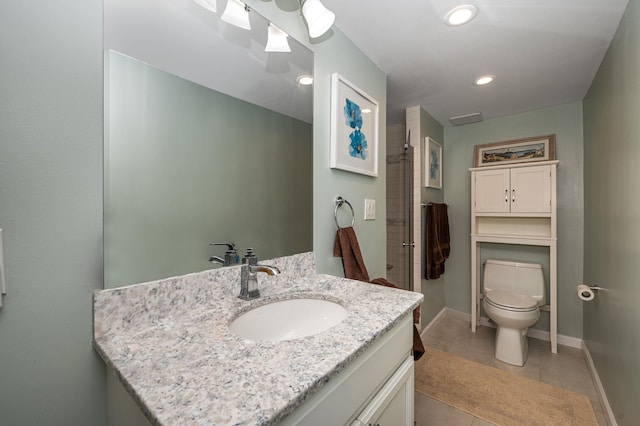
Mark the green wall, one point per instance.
(51, 211)
(612, 213)
(186, 166)
(334, 52)
(566, 122)
(433, 290)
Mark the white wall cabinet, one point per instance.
(515, 204)
(514, 190)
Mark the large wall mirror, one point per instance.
(208, 138)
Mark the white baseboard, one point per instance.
(599, 388)
(572, 342)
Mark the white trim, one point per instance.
(572, 342)
(599, 388)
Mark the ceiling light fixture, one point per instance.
(276, 40)
(484, 80)
(460, 15)
(319, 18)
(237, 13)
(305, 80)
(210, 5)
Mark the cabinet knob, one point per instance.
(513, 196)
(506, 195)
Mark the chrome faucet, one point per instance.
(249, 275)
(230, 256)
(218, 259)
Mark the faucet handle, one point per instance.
(230, 246)
(250, 257)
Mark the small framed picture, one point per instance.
(354, 128)
(432, 163)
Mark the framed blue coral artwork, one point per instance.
(432, 163)
(354, 128)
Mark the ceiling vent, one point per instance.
(466, 119)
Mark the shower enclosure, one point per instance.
(400, 244)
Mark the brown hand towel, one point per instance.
(347, 247)
(436, 240)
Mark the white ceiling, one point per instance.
(542, 52)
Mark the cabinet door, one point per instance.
(531, 189)
(492, 191)
(393, 404)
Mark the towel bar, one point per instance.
(339, 202)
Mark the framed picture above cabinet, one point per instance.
(539, 148)
(432, 163)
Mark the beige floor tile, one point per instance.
(429, 412)
(567, 369)
(438, 341)
(444, 333)
(478, 346)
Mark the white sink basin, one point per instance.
(288, 319)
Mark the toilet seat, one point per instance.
(509, 301)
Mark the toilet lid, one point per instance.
(511, 301)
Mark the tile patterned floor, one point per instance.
(566, 369)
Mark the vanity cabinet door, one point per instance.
(393, 404)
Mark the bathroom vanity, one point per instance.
(170, 345)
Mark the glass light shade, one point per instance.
(484, 80)
(319, 18)
(236, 13)
(305, 80)
(460, 15)
(277, 40)
(210, 5)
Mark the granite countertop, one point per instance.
(169, 343)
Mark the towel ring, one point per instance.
(339, 202)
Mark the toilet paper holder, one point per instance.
(588, 292)
(596, 288)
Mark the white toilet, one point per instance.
(513, 293)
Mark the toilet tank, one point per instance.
(516, 277)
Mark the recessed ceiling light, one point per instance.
(305, 80)
(484, 80)
(460, 15)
